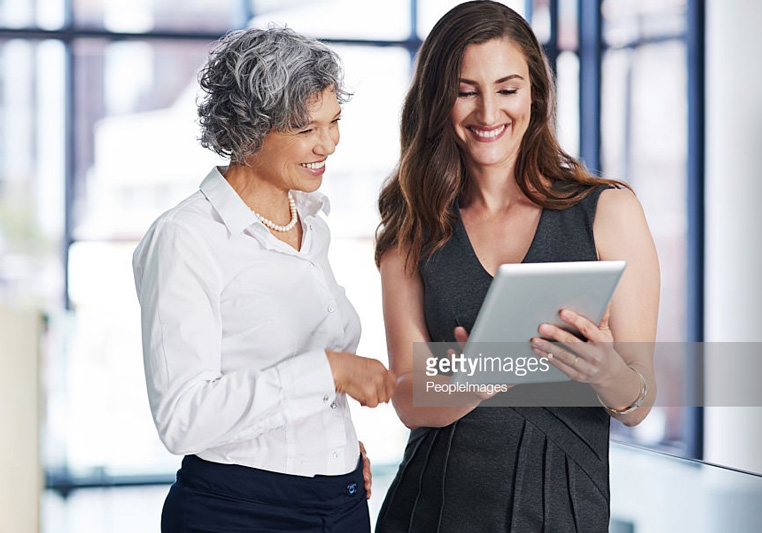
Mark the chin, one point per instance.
(310, 187)
(487, 160)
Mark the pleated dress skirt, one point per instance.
(504, 469)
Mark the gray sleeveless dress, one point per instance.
(502, 469)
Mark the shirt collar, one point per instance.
(309, 203)
(234, 212)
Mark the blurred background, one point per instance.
(98, 137)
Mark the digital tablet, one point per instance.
(521, 297)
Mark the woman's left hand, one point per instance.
(366, 473)
(588, 362)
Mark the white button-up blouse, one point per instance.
(235, 327)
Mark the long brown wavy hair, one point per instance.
(417, 201)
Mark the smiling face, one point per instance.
(295, 159)
(493, 108)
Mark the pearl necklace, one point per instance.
(277, 227)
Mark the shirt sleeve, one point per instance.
(195, 406)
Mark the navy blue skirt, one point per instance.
(220, 498)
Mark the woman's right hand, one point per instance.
(364, 379)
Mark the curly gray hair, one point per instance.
(257, 81)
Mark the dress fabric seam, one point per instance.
(453, 428)
(420, 483)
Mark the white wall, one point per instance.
(21, 477)
(734, 212)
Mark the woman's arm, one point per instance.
(621, 233)
(405, 324)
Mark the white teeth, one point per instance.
(488, 134)
(314, 166)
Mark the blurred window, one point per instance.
(644, 141)
(32, 162)
(145, 16)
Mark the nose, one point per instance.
(487, 109)
(327, 141)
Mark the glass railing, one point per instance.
(655, 492)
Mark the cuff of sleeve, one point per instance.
(307, 384)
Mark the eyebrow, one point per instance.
(497, 82)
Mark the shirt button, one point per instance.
(326, 398)
(335, 455)
(310, 265)
(331, 309)
(333, 405)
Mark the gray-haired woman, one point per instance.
(248, 340)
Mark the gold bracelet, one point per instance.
(634, 405)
